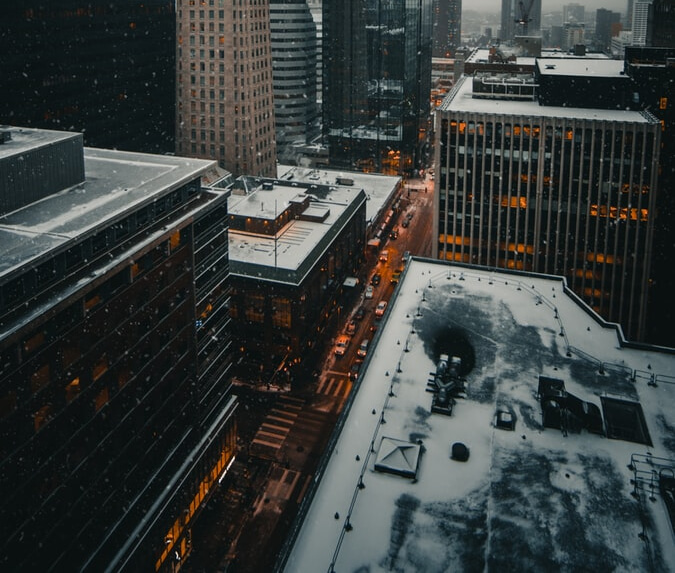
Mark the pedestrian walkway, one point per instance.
(275, 427)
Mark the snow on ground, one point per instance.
(532, 499)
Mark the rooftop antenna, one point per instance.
(524, 19)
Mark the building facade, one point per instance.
(520, 19)
(606, 24)
(447, 22)
(293, 245)
(115, 413)
(377, 80)
(642, 23)
(104, 69)
(294, 50)
(224, 89)
(664, 24)
(556, 190)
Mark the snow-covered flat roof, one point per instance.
(116, 182)
(460, 100)
(581, 67)
(268, 256)
(378, 187)
(532, 499)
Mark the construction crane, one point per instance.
(524, 19)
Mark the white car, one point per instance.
(341, 345)
(370, 290)
(380, 308)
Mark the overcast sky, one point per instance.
(549, 5)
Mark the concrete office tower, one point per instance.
(102, 68)
(514, 13)
(447, 22)
(316, 9)
(642, 23)
(377, 81)
(116, 420)
(293, 34)
(550, 189)
(606, 23)
(225, 99)
(573, 13)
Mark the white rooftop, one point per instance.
(533, 499)
(581, 67)
(378, 187)
(461, 100)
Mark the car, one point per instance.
(351, 327)
(384, 256)
(377, 277)
(393, 234)
(354, 370)
(360, 313)
(409, 215)
(395, 276)
(341, 345)
(406, 256)
(380, 308)
(363, 348)
(405, 223)
(370, 291)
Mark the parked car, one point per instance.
(369, 291)
(395, 276)
(363, 348)
(380, 308)
(354, 370)
(341, 345)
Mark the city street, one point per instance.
(282, 436)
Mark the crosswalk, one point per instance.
(336, 384)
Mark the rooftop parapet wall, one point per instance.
(38, 163)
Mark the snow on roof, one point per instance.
(115, 183)
(268, 256)
(460, 100)
(532, 499)
(378, 187)
(581, 67)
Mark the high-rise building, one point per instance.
(642, 22)
(664, 24)
(115, 415)
(377, 81)
(316, 9)
(105, 69)
(573, 13)
(293, 34)
(606, 23)
(520, 19)
(225, 96)
(447, 22)
(550, 188)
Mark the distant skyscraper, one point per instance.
(103, 68)
(642, 22)
(664, 24)
(573, 13)
(447, 22)
(377, 81)
(293, 34)
(514, 15)
(225, 98)
(605, 22)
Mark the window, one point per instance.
(100, 368)
(101, 399)
(72, 390)
(39, 379)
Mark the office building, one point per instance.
(607, 25)
(105, 69)
(573, 13)
(377, 80)
(520, 19)
(550, 188)
(497, 424)
(663, 24)
(294, 48)
(115, 414)
(447, 22)
(224, 89)
(642, 23)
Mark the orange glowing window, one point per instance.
(462, 127)
(663, 103)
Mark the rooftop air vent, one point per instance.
(5, 136)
